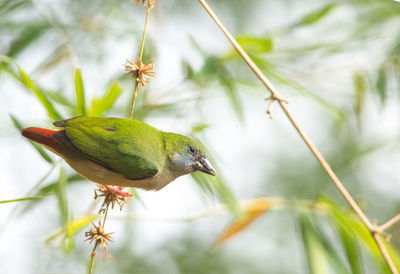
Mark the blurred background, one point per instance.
(336, 62)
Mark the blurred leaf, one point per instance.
(321, 254)
(59, 98)
(352, 250)
(73, 227)
(25, 199)
(38, 147)
(80, 94)
(360, 86)
(52, 188)
(315, 16)
(61, 191)
(352, 224)
(381, 82)
(137, 196)
(31, 33)
(7, 6)
(51, 111)
(203, 182)
(59, 54)
(214, 69)
(101, 105)
(251, 212)
(229, 84)
(197, 128)
(255, 45)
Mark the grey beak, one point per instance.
(206, 167)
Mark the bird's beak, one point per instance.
(206, 167)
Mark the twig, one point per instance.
(275, 95)
(389, 223)
(385, 253)
(92, 256)
(135, 90)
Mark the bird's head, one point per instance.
(186, 155)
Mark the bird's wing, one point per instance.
(131, 148)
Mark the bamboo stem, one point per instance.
(275, 95)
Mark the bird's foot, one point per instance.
(118, 190)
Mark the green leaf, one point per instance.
(73, 227)
(381, 83)
(360, 86)
(80, 94)
(101, 105)
(208, 184)
(137, 196)
(352, 224)
(30, 34)
(352, 250)
(51, 111)
(63, 207)
(52, 188)
(256, 45)
(200, 127)
(38, 147)
(317, 15)
(61, 192)
(321, 255)
(25, 199)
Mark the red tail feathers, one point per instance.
(40, 135)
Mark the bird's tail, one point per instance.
(41, 135)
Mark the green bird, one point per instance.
(122, 152)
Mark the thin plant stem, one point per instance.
(275, 95)
(144, 31)
(105, 216)
(134, 99)
(385, 253)
(136, 88)
(390, 223)
(92, 257)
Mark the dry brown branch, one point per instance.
(275, 95)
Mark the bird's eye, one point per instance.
(192, 149)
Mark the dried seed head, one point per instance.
(146, 3)
(112, 195)
(97, 234)
(140, 71)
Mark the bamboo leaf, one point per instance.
(360, 86)
(52, 188)
(30, 34)
(101, 105)
(38, 147)
(317, 15)
(61, 192)
(352, 251)
(73, 227)
(316, 258)
(28, 83)
(321, 254)
(251, 212)
(80, 94)
(381, 83)
(25, 198)
(256, 45)
(351, 223)
(137, 196)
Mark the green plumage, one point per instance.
(128, 147)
